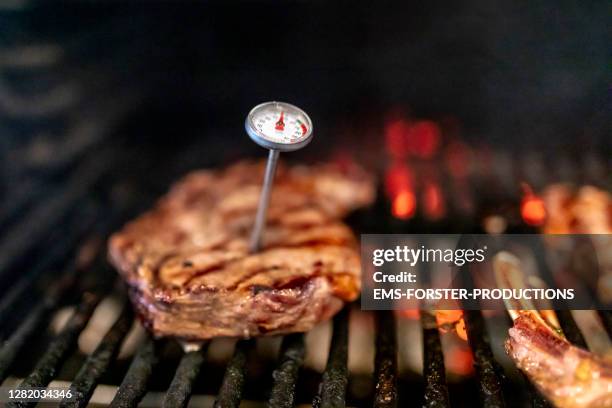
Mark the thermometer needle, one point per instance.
(280, 125)
(264, 200)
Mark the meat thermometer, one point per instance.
(279, 127)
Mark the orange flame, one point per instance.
(424, 138)
(411, 314)
(451, 321)
(434, 201)
(398, 177)
(461, 330)
(396, 132)
(404, 204)
(533, 210)
(460, 360)
(421, 139)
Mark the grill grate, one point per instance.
(134, 385)
(335, 378)
(230, 393)
(487, 369)
(59, 348)
(88, 376)
(385, 366)
(286, 375)
(186, 373)
(332, 390)
(436, 390)
(75, 218)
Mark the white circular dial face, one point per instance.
(280, 123)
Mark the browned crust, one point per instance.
(189, 270)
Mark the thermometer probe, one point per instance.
(279, 127)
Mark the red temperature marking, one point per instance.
(280, 125)
(302, 126)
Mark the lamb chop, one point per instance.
(188, 266)
(568, 376)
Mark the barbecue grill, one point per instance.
(94, 170)
(47, 245)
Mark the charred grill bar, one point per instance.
(89, 375)
(286, 374)
(436, 390)
(134, 384)
(332, 390)
(186, 373)
(487, 369)
(385, 363)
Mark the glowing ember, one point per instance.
(533, 210)
(396, 138)
(459, 360)
(404, 205)
(434, 202)
(397, 179)
(411, 314)
(446, 317)
(421, 139)
(451, 321)
(424, 139)
(461, 330)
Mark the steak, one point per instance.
(187, 261)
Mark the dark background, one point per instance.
(160, 76)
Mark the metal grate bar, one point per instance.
(566, 320)
(487, 369)
(21, 199)
(22, 237)
(436, 389)
(385, 362)
(606, 320)
(570, 328)
(179, 392)
(332, 391)
(59, 348)
(53, 256)
(134, 384)
(230, 393)
(33, 320)
(13, 344)
(286, 374)
(97, 363)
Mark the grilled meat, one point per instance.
(188, 265)
(568, 376)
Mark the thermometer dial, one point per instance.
(279, 126)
